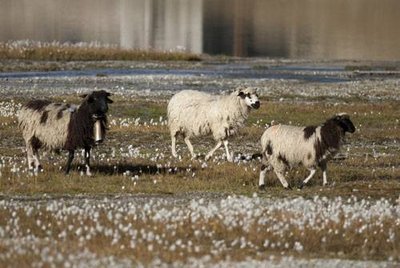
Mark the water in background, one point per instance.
(316, 29)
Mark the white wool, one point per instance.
(53, 134)
(289, 141)
(193, 113)
(286, 146)
(196, 113)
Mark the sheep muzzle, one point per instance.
(255, 105)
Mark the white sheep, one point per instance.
(193, 113)
(56, 126)
(286, 146)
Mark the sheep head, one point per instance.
(343, 120)
(97, 102)
(249, 96)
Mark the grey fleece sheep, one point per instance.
(286, 146)
(56, 126)
(193, 113)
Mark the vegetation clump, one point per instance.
(56, 51)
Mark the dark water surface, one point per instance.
(231, 71)
(314, 29)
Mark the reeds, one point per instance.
(56, 51)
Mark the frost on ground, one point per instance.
(197, 229)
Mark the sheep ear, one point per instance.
(241, 94)
(109, 100)
(83, 96)
(108, 94)
(347, 125)
(90, 99)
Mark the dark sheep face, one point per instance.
(98, 102)
(343, 120)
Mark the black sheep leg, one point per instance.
(69, 161)
(87, 161)
(323, 166)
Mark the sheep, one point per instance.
(193, 113)
(56, 126)
(286, 146)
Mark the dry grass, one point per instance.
(369, 159)
(62, 52)
(153, 238)
(371, 171)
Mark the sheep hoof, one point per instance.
(261, 187)
(288, 187)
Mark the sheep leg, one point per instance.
(87, 161)
(173, 145)
(229, 157)
(190, 147)
(282, 179)
(69, 161)
(33, 155)
(31, 161)
(324, 176)
(312, 172)
(219, 143)
(38, 167)
(263, 171)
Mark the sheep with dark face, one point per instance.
(193, 113)
(56, 126)
(286, 146)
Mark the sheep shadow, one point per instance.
(132, 170)
(241, 156)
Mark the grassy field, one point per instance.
(135, 160)
(36, 51)
(368, 159)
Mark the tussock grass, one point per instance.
(36, 51)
